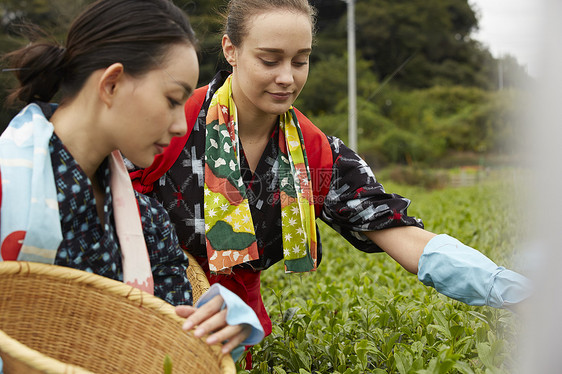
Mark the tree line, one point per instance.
(425, 86)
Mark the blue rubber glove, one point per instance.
(464, 274)
(238, 312)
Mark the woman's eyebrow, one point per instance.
(278, 50)
(187, 89)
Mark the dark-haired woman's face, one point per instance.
(151, 108)
(271, 65)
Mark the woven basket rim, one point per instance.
(111, 286)
(197, 277)
(46, 364)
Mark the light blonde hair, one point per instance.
(239, 12)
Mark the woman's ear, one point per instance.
(229, 50)
(109, 81)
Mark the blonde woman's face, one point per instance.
(270, 68)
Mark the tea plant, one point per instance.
(167, 364)
(363, 313)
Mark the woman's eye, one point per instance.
(268, 62)
(173, 103)
(300, 63)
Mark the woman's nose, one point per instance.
(179, 125)
(285, 74)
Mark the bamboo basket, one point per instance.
(197, 278)
(56, 319)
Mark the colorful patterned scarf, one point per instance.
(230, 234)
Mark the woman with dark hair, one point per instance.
(246, 183)
(124, 75)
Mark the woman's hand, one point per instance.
(210, 319)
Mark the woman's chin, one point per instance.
(279, 110)
(141, 162)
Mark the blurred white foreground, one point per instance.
(540, 346)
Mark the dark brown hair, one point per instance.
(240, 11)
(136, 33)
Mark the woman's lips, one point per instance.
(160, 147)
(281, 96)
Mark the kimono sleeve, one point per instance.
(357, 202)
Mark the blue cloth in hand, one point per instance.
(238, 312)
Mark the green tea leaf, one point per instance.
(167, 364)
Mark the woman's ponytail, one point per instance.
(39, 68)
(136, 33)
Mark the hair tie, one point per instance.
(62, 50)
(61, 61)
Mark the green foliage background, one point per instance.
(426, 89)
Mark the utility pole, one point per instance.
(500, 73)
(351, 76)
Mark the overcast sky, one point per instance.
(510, 27)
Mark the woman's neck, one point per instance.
(73, 125)
(256, 128)
(254, 125)
(254, 134)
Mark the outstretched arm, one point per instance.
(404, 244)
(452, 268)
